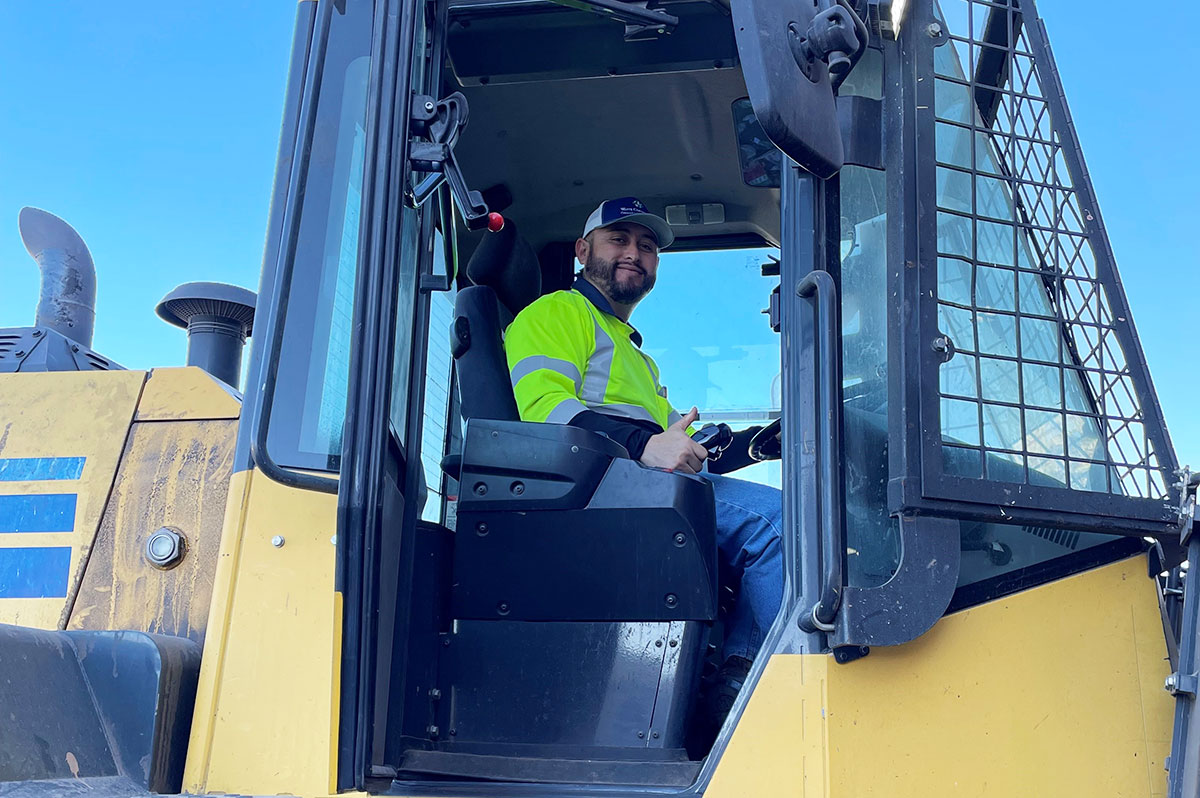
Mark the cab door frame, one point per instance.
(367, 437)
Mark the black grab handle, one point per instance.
(819, 286)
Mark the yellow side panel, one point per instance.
(1053, 691)
(174, 394)
(60, 417)
(779, 747)
(173, 474)
(266, 707)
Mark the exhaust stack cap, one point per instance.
(67, 303)
(218, 319)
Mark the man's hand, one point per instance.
(673, 449)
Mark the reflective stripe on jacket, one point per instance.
(565, 356)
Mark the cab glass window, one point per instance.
(703, 324)
(310, 401)
(1021, 399)
(984, 276)
(872, 536)
(436, 412)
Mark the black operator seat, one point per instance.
(585, 581)
(506, 277)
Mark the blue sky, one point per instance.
(152, 129)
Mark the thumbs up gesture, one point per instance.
(673, 449)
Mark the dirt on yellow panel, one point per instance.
(173, 475)
(61, 436)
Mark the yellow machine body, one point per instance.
(269, 679)
(94, 464)
(1055, 690)
(1052, 690)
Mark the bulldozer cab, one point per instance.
(888, 253)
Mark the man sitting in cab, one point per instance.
(574, 359)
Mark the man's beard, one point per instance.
(603, 274)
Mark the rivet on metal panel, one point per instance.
(277, 541)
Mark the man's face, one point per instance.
(621, 260)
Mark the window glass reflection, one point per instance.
(310, 406)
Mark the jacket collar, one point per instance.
(601, 302)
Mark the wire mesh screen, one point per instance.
(1038, 389)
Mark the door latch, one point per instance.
(434, 126)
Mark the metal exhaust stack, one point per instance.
(218, 318)
(68, 300)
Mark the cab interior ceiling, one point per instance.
(562, 145)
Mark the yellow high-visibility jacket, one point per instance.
(566, 356)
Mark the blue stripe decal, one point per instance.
(48, 512)
(34, 469)
(35, 572)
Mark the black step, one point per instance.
(421, 765)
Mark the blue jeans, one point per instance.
(749, 525)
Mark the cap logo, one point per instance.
(614, 210)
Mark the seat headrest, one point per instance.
(506, 263)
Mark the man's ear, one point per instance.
(581, 250)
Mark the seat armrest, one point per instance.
(534, 465)
(556, 523)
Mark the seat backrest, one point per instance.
(506, 277)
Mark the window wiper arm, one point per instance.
(640, 22)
